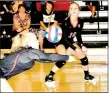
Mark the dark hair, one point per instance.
(50, 2)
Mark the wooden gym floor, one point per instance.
(68, 79)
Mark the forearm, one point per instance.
(46, 57)
(56, 23)
(79, 39)
(5, 8)
(67, 41)
(49, 58)
(57, 57)
(43, 25)
(18, 28)
(28, 24)
(16, 25)
(26, 27)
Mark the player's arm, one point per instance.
(16, 24)
(64, 29)
(28, 23)
(46, 57)
(79, 35)
(41, 22)
(43, 25)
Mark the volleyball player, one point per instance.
(72, 27)
(24, 59)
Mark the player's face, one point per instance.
(49, 6)
(74, 10)
(22, 9)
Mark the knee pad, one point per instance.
(60, 64)
(84, 61)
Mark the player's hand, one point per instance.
(42, 49)
(2, 12)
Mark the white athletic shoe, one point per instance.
(50, 84)
(49, 81)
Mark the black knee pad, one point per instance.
(84, 61)
(60, 64)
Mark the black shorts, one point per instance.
(62, 42)
(48, 44)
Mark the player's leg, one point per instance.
(41, 39)
(60, 49)
(84, 61)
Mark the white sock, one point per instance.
(71, 59)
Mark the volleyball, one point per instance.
(53, 34)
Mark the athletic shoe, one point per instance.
(89, 77)
(49, 78)
(50, 83)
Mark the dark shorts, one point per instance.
(62, 43)
(48, 44)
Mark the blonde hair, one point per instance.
(24, 39)
(15, 43)
(70, 5)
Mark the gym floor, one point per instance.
(70, 78)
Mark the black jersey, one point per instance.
(69, 32)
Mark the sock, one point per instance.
(52, 73)
(86, 73)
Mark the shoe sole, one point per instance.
(50, 84)
(94, 81)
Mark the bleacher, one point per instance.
(97, 31)
(94, 35)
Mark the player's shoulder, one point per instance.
(81, 20)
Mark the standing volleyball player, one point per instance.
(48, 18)
(72, 27)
